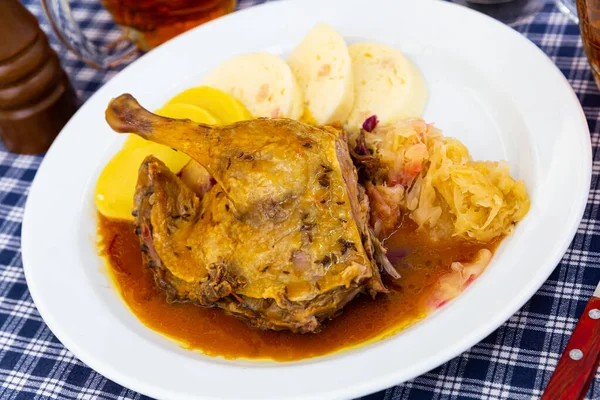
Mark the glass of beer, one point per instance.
(145, 24)
(589, 23)
(587, 13)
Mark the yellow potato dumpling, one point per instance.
(188, 111)
(175, 160)
(221, 105)
(116, 184)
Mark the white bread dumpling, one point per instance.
(386, 84)
(322, 66)
(263, 82)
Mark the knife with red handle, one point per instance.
(579, 362)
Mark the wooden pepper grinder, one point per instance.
(36, 97)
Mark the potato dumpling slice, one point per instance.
(323, 68)
(263, 82)
(386, 83)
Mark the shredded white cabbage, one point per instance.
(484, 200)
(438, 176)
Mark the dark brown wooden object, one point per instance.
(36, 97)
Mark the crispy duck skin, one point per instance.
(282, 240)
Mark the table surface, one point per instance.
(514, 362)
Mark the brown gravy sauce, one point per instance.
(217, 334)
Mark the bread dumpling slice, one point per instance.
(322, 66)
(386, 84)
(262, 81)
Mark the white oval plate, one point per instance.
(489, 86)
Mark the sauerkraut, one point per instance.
(411, 169)
(484, 200)
(460, 276)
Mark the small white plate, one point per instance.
(490, 87)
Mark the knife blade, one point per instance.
(579, 361)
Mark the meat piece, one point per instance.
(282, 239)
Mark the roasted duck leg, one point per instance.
(281, 240)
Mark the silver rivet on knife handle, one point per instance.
(576, 354)
(594, 313)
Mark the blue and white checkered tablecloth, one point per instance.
(514, 362)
